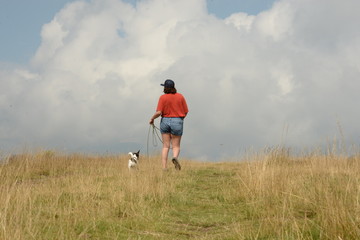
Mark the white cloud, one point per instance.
(94, 81)
(241, 21)
(276, 22)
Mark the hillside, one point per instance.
(47, 195)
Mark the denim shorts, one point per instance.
(172, 125)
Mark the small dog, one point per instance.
(134, 158)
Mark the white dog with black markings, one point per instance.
(134, 159)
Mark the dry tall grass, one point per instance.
(49, 196)
(268, 195)
(314, 196)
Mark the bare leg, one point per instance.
(166, 137)
(175, 142)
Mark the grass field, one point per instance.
(271, 195)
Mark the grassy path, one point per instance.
(199, 208)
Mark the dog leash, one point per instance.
(155, 136)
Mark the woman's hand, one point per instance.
(156, 115)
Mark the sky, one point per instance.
(21, 22)
(84, 76)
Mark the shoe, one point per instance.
(176, 163)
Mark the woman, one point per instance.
(173, 109)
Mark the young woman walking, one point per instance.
(173, 109)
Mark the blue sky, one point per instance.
(21, 22)
(84, 76)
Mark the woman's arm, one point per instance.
(156, 115)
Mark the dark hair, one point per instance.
(169, 90)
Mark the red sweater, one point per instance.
(172, 105)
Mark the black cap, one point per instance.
(168, 83)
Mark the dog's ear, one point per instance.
(138, 152)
